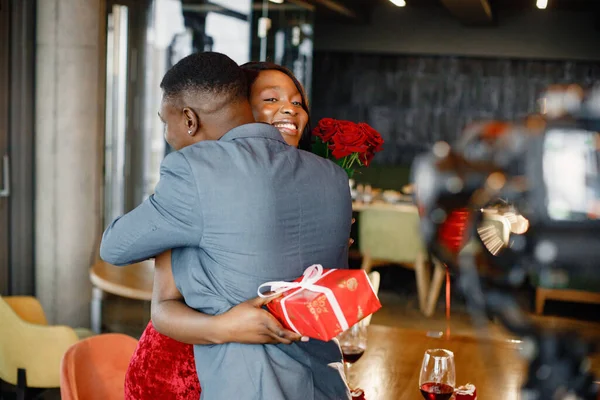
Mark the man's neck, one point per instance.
(227, 119)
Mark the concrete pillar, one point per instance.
(69, 114)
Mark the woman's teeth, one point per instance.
(285, 126)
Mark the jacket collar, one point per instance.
(256, 129)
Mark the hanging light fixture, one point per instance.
(542, 4)
(276, 1)
(398, 3)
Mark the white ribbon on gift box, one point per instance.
(311, 275)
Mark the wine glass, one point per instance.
(353, 342)
(438, 375)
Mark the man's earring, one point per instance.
(190, 133)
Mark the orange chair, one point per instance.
(94, 368)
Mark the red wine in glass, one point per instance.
(436, 391)
(352, 353)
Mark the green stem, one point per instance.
(352, 158)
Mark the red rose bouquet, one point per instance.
(346, 143)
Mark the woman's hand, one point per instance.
(249, 323)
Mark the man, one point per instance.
(239, 207)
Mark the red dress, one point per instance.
(161, 368)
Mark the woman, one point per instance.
(270, 84)
(161, 367)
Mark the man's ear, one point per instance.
(192, 121)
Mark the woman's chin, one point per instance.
(291, 137)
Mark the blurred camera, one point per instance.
(542, 175)
(545, 169)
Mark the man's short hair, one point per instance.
(208, 73)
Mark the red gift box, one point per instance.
(323, 302)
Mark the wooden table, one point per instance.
(389, 369)
(133, 281)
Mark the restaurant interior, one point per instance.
(468, 97)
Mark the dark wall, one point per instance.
(416, 100)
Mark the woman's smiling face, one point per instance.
(276, 100)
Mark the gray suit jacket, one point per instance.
(239, 212)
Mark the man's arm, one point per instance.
(244, 323)
(170, 218)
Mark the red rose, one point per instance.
(326, 129)
(374, 143)
(350, 139)
(366, 158)
(374, 138)
(344, 138)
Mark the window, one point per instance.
(145, 40)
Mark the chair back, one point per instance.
(28, 308)
(375, 279)
(30, 345)
(9, 332)
(390, 234)
(95, 368)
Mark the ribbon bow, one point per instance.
(309, 279)
(310, 276)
